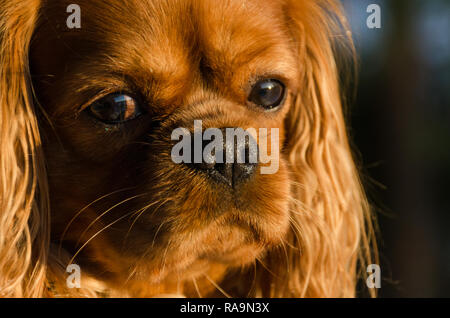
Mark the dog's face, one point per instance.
(100, 125)
(115, 90)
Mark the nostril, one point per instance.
(204, 166)
(223, 172)
(232, 174)
(221, 168)
(243, 172)
(233, 163)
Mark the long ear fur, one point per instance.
(331, 225)
(331, 228)
(24, 209)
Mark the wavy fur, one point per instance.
(331, 232)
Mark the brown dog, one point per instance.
(87, 175)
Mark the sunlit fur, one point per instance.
(331, 230)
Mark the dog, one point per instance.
(87, 169)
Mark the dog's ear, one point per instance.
(330, 219)
(24, 211)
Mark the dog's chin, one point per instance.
(225, 245)
(188, 267)
(241, 255)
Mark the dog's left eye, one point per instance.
(115, 108)
(268, 93)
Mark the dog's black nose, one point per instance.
(234, 164)
(233, 173)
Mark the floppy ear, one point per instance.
(330, 217)
(24, 211)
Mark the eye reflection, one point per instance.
(268, 93)
(115, 108)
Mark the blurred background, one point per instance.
(401, 126)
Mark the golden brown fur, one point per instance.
(115, 204)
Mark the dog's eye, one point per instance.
(115, 108)
(268, 93)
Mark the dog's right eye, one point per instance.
(115, 108)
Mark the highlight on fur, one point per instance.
(24, 212)
(331, 233)
(332, 230)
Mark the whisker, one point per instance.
(148, 249)
(217, 286)
(108, 210)
(265, 266)
(139, 212)
(157, 231)
(164, 258)
(143, 210)
(287, 257)
(93, 236)
(132, 273)
(253, 284)
(194, 281)
(297, 232)
(81, 211)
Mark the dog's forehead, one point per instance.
(167, 29)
